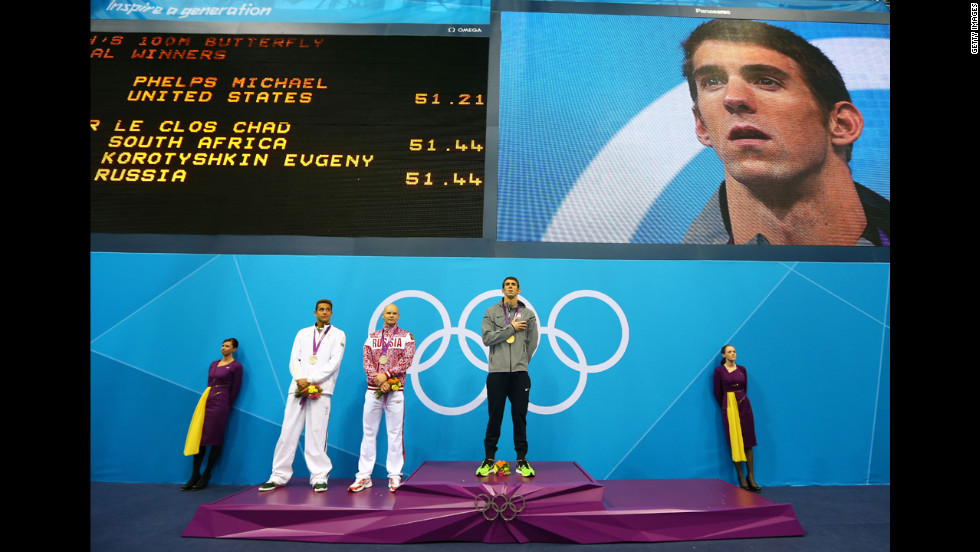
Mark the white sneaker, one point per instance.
(360, 485)
(394, 483)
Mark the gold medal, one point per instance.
(383, 359)
(313, 359)
(510, 339)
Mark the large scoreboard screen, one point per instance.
(515, 127)
(313, 135)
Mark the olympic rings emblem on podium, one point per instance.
(492, 508)
(445, 335)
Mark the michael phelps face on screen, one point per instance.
(757, 112)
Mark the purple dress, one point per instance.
(225, 382)
(735, 382)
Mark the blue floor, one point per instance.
(150, 518)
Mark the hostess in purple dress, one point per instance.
(225, 382)
(736, 382)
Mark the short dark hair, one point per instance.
(327, 301)
(234, 342)
(821, 76)
(510, 278)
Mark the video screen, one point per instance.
(600, 143)
(530, 126)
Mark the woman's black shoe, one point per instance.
(202, 482)
(753, 488)
(190, 483)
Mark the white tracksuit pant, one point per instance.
(392, 405)
(314, 416)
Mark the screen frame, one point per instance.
(488, 245)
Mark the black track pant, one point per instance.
(501, 386)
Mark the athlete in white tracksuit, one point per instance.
(314, 360)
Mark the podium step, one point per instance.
(446, 501)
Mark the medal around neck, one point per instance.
(517, 314)
(316, 344)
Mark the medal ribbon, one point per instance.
(384, 344)
(316, 344)
(517, 310)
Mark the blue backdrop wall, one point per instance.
(621, 379)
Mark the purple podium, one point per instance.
(445, 501)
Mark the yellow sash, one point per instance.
(193, 444)
(735, 428)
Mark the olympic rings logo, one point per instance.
(579, 364)
(492, 508)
